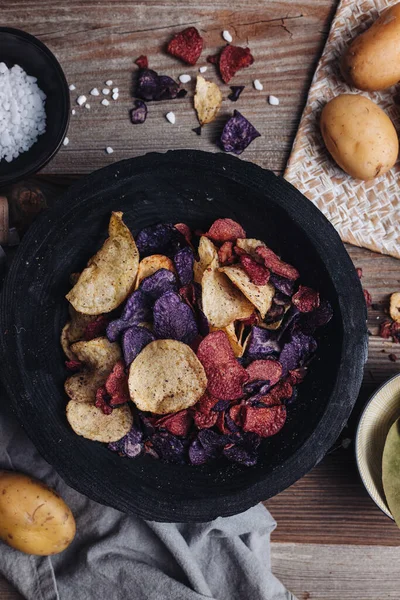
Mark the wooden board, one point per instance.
(365, 213)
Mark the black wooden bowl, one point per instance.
(195, 188)
(23, 49)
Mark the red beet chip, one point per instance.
(259, 274)
(225, 254)
(359, 272)
(385, 330)
(235, 413)
(224, 374)
(225, 230)
(213, 58)
(251, 320)
(73, 365)
(96, 328)
(102, 400)
(264, 370)
(221, 423)
(281, 391)
(395, 331)
(117, 385)
(206, 403)
(392, 357)
(275, 264)
(306, 299)
(177, 424)
(232, 59)
(184, 230)
(203, 421)
(142, 62)
(186, 45)
(368, 298)
(264, 421)
(296, 376)
(240, 251)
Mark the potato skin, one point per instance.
(372, 61)
(33, 518)
(359, 135)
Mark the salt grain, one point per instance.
(184, 78)
(73, 112)
(105, 91)
(81, 100)
(227, 36)
(66, 141)
(94, 92)
(87, 105)
(115, 90)
(258, 85)
(105, 102)
(22, 112)
(109, 150)
(109, 82)
(72, 87)
(273, 100)
(203, 69)
(171, 117)
(115, 96)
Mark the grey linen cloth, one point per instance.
(117, 556)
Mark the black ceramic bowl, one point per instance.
(21, 48)
(194, 188)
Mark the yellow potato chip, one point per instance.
(166, 377)
(259, 295)
(249, 245)
(90, 422)
(111, 273)
(207, 253)
(73, 330)
(395, 307)
(149, 265)
(99, 357)
(222, 301)
(232, 337)
(207, 100)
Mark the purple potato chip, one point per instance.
(174, 319)
(139, 113)
(275, 313)
(137, 310)
(169, 447)
(221, 405)
(257, 387)
(212, 440)
(237, 134)
(148, 449)
(182, 94)
(197, 130)
(151, 86)
(241, 455)
(309, 322)
(134, 340)
(130, 445)
(158, 284)
(146, 424)
(163, 238)
(289, 323)
(263, 343)
(231, 425)
(203, 324)
(197, 454)
(286, 286)
(235, 93)
(184, 261)
(297, 351)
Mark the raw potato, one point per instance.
(166, 377)
(151, 264)
(99, 357)
(372, 61)
(395, 307)
(90, 422)
(223, 303)
(359, 135)
(33, 518)
(111, 273)
(207, 100)
(259, 295)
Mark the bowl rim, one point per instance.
(24, 35)
(372, 398)
(353, 345)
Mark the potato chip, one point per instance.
(207, 253)
(90, 422)
(232, 337)
(111, 273)
(222, 301)
(99, 357)
(74, 330)
(249, 245)
(207, 100)
(259, 295)
(166, 377)
(151, 264)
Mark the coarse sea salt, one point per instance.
(109, 150)
(22, 111)
(258, 85)
(105, 102)
(171, 117)
(184, 78)
(227, 36)
(203, 69)
(273, 100)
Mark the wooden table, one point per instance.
(331, 541)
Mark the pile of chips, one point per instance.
(207, 351)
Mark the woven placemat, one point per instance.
(364, 213)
